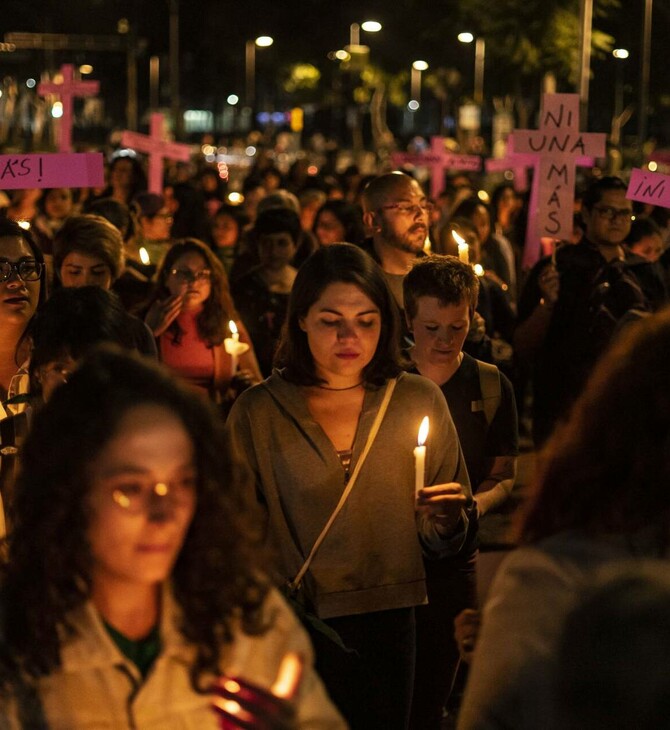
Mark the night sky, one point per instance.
(213, 34)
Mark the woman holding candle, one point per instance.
(306, 432)
(190, 315)
(152, 584)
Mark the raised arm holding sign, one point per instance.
(157, 148)
(67, 90)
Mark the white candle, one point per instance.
(463, 249)
(231, 347)
(420, 457)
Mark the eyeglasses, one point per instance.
(137, 497)
(610, 214)
(25, 270)
(409, 208)
(186, 276)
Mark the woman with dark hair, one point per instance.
(317, 432)
(126, 179)
(190, 317)
(599, 497)
(55, 205)
(131, 519)
(337, 222)
(22, 289)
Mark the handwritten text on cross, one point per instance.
(649, 187)
(558, 143)
(20, 172)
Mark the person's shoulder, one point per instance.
(413, 383)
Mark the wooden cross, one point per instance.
(438, 160)
(157, 148)
(67, 90)
(559, 147)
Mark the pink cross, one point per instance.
(60, 170)
(158, 148)
(649, 187)
(438, 160)
(559, 147)
(515, 161)
(67, 90)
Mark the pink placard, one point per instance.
(78, 170)
(649, 187)
(560, 147)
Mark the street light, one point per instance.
(480, 54)
(415, 84)
(369, 26)
(263, 41)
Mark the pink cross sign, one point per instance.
(649, 187)
(158, 148)
(438, 160)
(559, 147)
(67, 90)
(515, 161)
(80, 170)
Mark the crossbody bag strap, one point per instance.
(390, 387)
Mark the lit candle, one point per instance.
(420, 457)
(463, 249)
(234, 347)
(479, 269)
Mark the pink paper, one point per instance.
(157, 148)
(559, 147)
(19, 172)
(66, 92)
(649, 187)
(438, 160)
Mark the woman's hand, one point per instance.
(163, 313)
(444, 503)
(243, 704)
(549, 283)
(466, 630)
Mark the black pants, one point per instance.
(452, 587)
(375, 691)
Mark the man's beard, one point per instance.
(404, 243)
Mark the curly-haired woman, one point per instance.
(132, 575)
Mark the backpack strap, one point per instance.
(489, 384)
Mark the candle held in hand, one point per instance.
(463, 249)
(420, 457)
(234, 347)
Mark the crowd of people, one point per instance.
(214, 506)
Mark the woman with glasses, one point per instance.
(22, 288)
(190, 317)
(145, 575)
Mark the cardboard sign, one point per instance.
(559, 147)
(19, 172)
(157, 148)
(67, 91)
(649, 187)
(438, 160)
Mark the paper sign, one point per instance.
(19, 172)
(649, 187)
(67, 91)
(157, 148)
(560, 147)
(439, 160)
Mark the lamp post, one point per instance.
(620, 54)
(415, 84)
(369, 26)
(480, 55)
(643, 116)
(263, 41)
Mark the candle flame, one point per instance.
(233, 327)
(423, 431)
(459, 239)
(479, 269)
(144, 256)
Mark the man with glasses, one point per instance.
(396, 214)
(574, 301)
